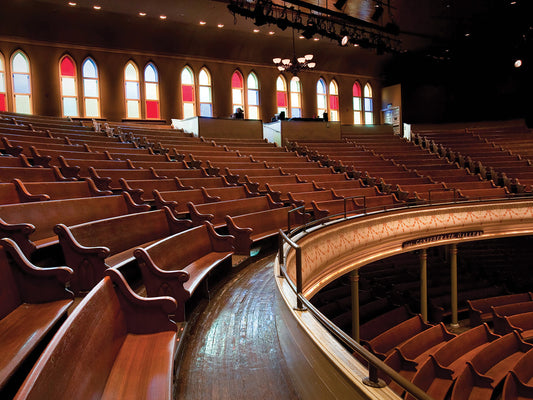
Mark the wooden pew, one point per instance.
(79, 168)
(171, 268)
(280, 192)
(177, 200)
(109, 179)
(383, 344)
(10, 195)
(227, 193)
(508, 310)
(209, 182)
(33, 304)
(521, 323)
(92, 247)
(141, 190)
(514, 389)
(481, 309)
(437, 375)
(31, 225)
(114, 345)
(408, 356)
(489, 367)
(41, 191)
(385, 321)
(258, 183)
(251, 228)
(215, 212)
(10, 161)
(7, 174)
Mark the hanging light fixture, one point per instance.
(294, 64)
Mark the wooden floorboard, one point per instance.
(232, 349)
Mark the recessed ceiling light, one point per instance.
(271, 32)
(72, 4)
(256, 30)
(97, 7)
(467, 34)
(203, 22)
(220, 25)
(316, 39)
(518, 63)
(513, 3)
(301, 37)
(355, 45)
(142, 14)
(162, 17)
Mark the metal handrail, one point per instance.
(289, 216)
(302, 304)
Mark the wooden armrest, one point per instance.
(27, 196)
(220, 243)
(95, 191)
(38, 285)
(195, 214)
(132, 206)
(144, 315)
(179, 275)
(230, 222)
(66, 237)
(272, 203)
(178, 225)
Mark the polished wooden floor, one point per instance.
(232, 349)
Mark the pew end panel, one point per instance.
(132, 337)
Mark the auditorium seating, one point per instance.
(170, 268)
(114, 345)
(31, 225)
(33, 304)
(507, 310)
(92, 247)
(521, 323)
(438, 373)
(489, 367)
(480, 309)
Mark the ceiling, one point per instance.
(440, 28)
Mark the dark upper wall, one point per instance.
(46, 32)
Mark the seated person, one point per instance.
(238, 114)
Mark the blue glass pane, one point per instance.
(321, 87)
(21, 83)
(206, 110)
(150, 73)
(89, 69)
(368, 104)
(132, 90)
(2, 83)
(296, 112)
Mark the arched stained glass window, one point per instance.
(253, 96)
(20, 68)
(321, 97)
(91, 91)
(357, 105)
(281, 95)
(296, 97)
(333, 101)
(369, 106)
(3, 89)
(237, 91)
(187, 92)
(206, 98)
(133, 93)
(151, 84)
(69, 87)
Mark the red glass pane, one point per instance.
(67, 67)
(236, 80)
(356, 90)
(334, 102)
(282, 99)
(187, 93)
(152, 109)
(3, 105)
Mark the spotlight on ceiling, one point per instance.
(378, 12)
(518, 63)
(340, 4)
(344, 41)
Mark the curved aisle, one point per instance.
(232, 350)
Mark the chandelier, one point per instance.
(296, 64)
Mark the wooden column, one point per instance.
(453, 280)
(424, 284)
(354, 279)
